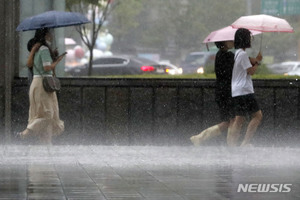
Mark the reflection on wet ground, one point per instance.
(148, 173)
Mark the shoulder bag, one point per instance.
(50, 83)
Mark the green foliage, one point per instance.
(185, 23)
(273, 76)
(124, 17)
(209, 69)
(181, 26)
(71, 3)
(82, 5)
(196, 76)
(163, 76)
(89, 33)
(173, 20)
(262, 69)
(176, 27)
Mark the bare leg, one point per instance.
(231, 123)
(252, 127)
(230, 126)
(209, 133)
(234, 131)
(223, 126)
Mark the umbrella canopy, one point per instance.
(264, 23)
(224, 34)
(52, 19)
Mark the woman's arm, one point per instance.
(53, 65)
(30, 58)
(252, 69)
(252, 61)
(255, 63)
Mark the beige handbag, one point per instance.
(50, 83)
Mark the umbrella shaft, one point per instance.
(261, 37)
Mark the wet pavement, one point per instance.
(148, 173)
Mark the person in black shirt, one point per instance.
(223, 68)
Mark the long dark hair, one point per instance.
(242, 38)
(40, 37)
(30, 44)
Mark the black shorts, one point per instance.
(245, 105)
(226, 107)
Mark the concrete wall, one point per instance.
(158, 111)
(122, 111)
(9, 14)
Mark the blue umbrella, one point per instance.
(52, 19)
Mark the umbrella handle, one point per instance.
(261, 37)
(207, 47)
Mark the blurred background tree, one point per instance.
(172, 28)
(97, 11)
(123, 21)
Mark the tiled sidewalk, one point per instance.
(145, 173)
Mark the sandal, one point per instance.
(21, 135)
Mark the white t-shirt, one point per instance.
(241, 83)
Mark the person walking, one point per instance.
(242, 90)
(223, 69)
(44, 120)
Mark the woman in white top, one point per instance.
(242, 90)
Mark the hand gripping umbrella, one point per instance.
(263, 23)
(52, 19)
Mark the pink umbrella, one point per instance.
(224, 34)
(264, 23)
